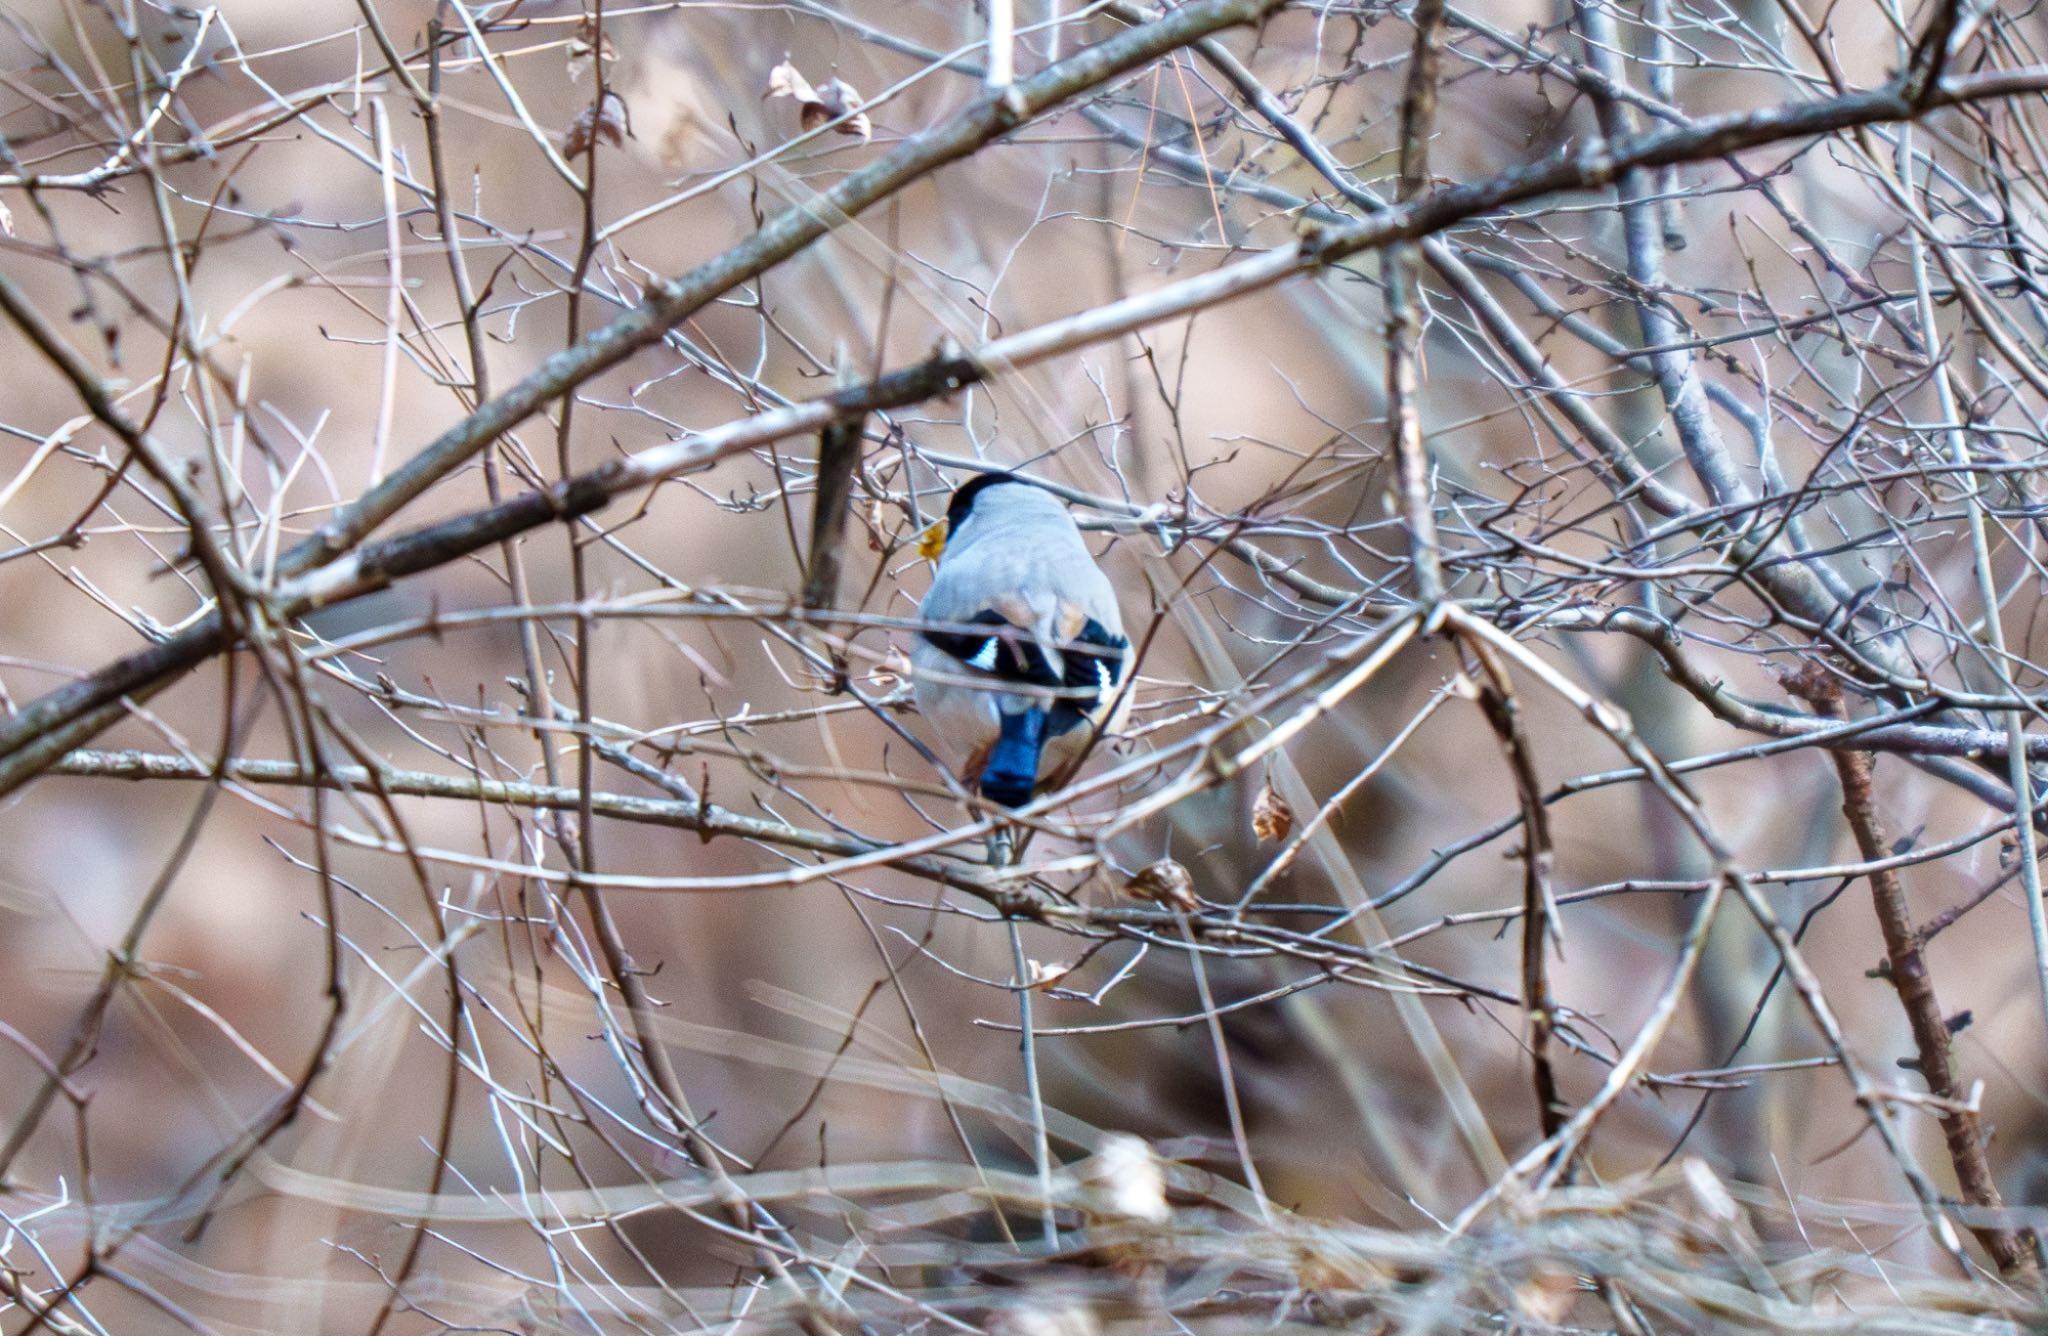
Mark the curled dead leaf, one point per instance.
(834, 99)
(607, 121)
(1272, 818)
(1044, 975)
(786, 80)
(585, 45)
(837, 98)
(1165, 883)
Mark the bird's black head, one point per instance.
(963, 496)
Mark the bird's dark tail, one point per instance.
(1012, 769)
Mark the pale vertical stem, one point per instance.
(1225, 1074)
(2022, 781)
(1657, 17)
(1041, 1144)
(1675, 367)
(394, 293)
(1002, 44)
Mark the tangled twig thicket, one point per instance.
(472, 863)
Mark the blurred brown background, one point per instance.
(1263, 418)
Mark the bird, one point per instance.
(1020, 660)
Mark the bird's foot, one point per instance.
(1002, 847)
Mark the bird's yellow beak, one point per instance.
(932, 541)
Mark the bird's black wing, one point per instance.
(1005, 651)
(1092, 661)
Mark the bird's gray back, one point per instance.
(1025, 542)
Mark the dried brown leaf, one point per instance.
(1044, 975)
(1272, 818)
(785, 80)
(584, 44)
(820, 106)
(1165, 883)
(838, 98)
(608, 124)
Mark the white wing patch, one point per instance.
(985, 657)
